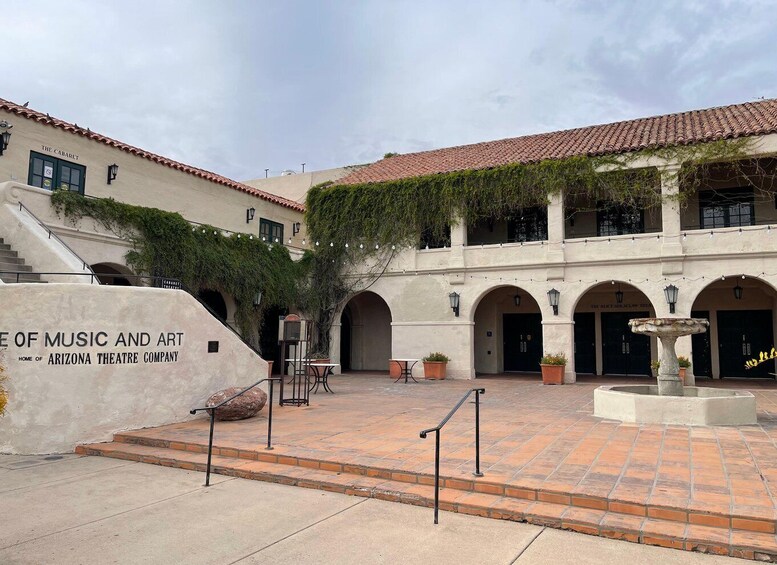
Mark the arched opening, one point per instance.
(604, 342)
(110, 274)
(508, 332)
(215, 302)
(365, 334)
(741, 314)
(268, 337)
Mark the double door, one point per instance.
(522, 342)
(624, 352)
(585, 343)
(742, 335)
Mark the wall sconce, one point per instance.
(295, 228)
(454, 298)
(258, 299)
(517, 299)
(5, 137)
(671, 292)
(619, 295)
(250, 214)
(553, 296)
(738, 292)
(113, 170)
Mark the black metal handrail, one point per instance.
(212, 411)
(477, 473)
(59, 239)
(163, 282)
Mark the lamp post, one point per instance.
(670, 292)
(454, 298)
(5, 137)
(113, 170)
(553, 296)
(250, 214)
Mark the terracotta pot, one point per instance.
(682, 374)
(394, 370)
(434, 370)
(311, 373)
(553, 374)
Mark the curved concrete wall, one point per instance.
(63, 394)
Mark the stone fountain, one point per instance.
(670, 402)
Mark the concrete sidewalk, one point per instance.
(70, 509)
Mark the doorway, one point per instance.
(522, 339)
(624, 352)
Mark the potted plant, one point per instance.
(317, 357)
(654, 366)
(684, 364)
(553, 365)
(435, 365)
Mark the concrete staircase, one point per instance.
(746, 537)
(11, 263)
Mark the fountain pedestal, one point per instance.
(667, 330)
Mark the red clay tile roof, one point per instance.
(207, 175)
(727, 122)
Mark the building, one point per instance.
(600, 263)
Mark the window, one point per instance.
(726, 208)
(54, 174)
(531, 225)
(431, 240)
(271, 232)
(619, 220)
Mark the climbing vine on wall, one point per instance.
(165, 244)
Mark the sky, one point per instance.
(237, 87)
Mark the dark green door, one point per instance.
(522, 342)
(585, 343)
(624, 352)
(700, 347)
(742, 335)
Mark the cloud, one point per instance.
(240, 86)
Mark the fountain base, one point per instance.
(700, 406)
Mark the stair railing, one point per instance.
(212, 411)
(477, 473)
(84, 264)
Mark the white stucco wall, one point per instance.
(52, 408)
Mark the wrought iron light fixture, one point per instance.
(670, 292)
(619, 295)
(454, 298)
(553, 296)
(250, 214)
(738, 292)
(295, 228)
(517, 299)
(258, 299)
(5, 137)
(113, 170)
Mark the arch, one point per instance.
(366, 326)
(742, 324)
(507, 336)
(476, 302)
(110, 274)
(215, 301)
(603, 341)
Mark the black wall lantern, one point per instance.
(619, 295)
(250, 214)
(670, 292)
(295, 228)
(113, 170)
(454, 298)
(738, 292)
(553, 296)
(517, 299)
(258, 299)
(5, 137)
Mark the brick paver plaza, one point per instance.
(541, 448)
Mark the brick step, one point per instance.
(4, 246)
(7, 264)
(8, 253)
(606, 523)
(468, 483)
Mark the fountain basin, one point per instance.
(699, 406)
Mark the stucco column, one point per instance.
(334, 346)
(558, 336)
(672, 247)
(556, 226)
(683, 348)
(458, 241)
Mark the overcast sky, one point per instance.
(239, 86)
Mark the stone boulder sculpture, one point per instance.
(247, 405)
